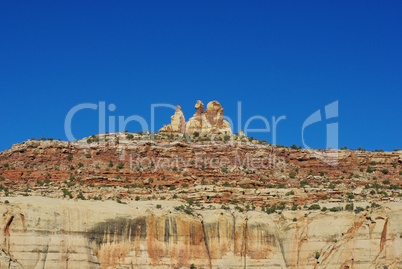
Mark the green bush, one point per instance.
(385, 171)
(359, 209)
(314, 207)
(67, 193)
(81, 196)
(120, 165)
(349, 207)
(369, 169)
(159, 206)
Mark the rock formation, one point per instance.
(39, 232)
(194, 124)
(86, 204)
(212, 119)
(204, 122)
(177, 122)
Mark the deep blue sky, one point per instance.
(278, 58)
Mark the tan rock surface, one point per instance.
(39, 232)
(178, 122)
(204, 122)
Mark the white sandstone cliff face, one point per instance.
(38, 232)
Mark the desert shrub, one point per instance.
(120, 165)
(359, 209)
(81, 196)
(314, 207)
(67, 193)
(159, 206)
(349, 207)
(374, 205)
(385, 171)
(290, 193)
(303, 183)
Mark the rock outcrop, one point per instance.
(194, 124)
(178, 122)
(39, 232)
(126, 201)
(204, 122)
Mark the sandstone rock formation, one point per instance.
(213, 198)
(212, 119)
(204, 122)
(177, 122)
(40, 232)
(194, 124)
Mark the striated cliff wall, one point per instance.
(39, 232)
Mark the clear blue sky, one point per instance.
(278, 58)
